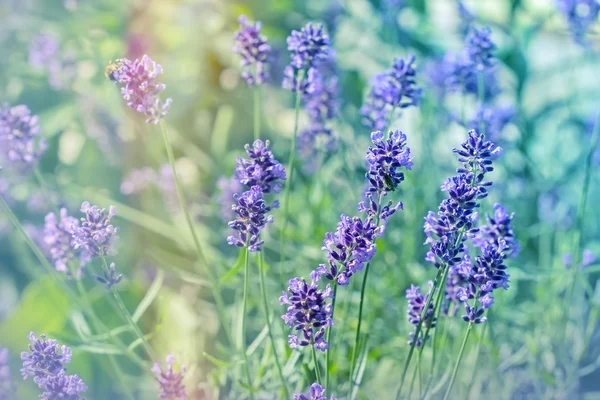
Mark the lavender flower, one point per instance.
(6, 383)
(456, 214)
(498, 228)
(308, 47)
(391, 89)
(138, 180)
(140, 88)
(581, 15)
(322, 103)
(252, 46)
(251, 211)
(171, 382)
(316, 392)
(308, 312)
(59, 242)
(349, 249)
(45, 358)
(96, 236)
(61, 386)
(386, 158)
(110, 278)
(260, 168)
(479, 48)
(20, 142)
(416, 304)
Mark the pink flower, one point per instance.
(140, 88)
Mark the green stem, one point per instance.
(579, 222)
(288, 183)
(269, 325)
(256, 112)
(477, 351)
(314, 356)
(128, 316)
(480, 96)
(328, 355)
(201, 257)
(244, 307)
(458, 360)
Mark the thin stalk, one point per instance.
(244, 307)
(269, 325)
(256, 112)
(328, 355)
(314, 356)
(444, 332)
(442, 272)
(458, 360)
(128, 316)
(413, 379)
(480, 96)
(579, 221)
(201, 257)
(477, 351)
(288, 182)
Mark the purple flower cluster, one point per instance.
(60, 244)
(20, 141)
(109, 278)
(416, 304)
(316, 392)
(479, 48)
(170, 382)
(140, 88)
(391, 89)
(260, 169)
(349, 249)
(308, 48)
(227, 187)
(581, 15)
(308, 312)
(96, 236)
(45, 362)
(252, 46)
(6, 383)
(386, 159)
(251, 212)
(45, 54)
(447, 230)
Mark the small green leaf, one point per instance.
(230, 276)
(150, 295)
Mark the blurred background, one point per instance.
(53, 55)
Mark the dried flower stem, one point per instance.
(201, 257)
(128, 316)
(269, 325)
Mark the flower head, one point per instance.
(497, 229)
(316, 392)
(171, 382)
(260, 168)
(46, 357)
(43, 49)
(479, 48)
(581, 15)
(308, 46)
(96, 236)
(63, 387)
(386, 159)
(308, 312)
(140, 88)
(492, 120)
(349, 249)
(251, 211)
(59, 242)
(252, 46)
(391, 89)
(110, 277)
(20, 141)
(228, 187)
(416, 305)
